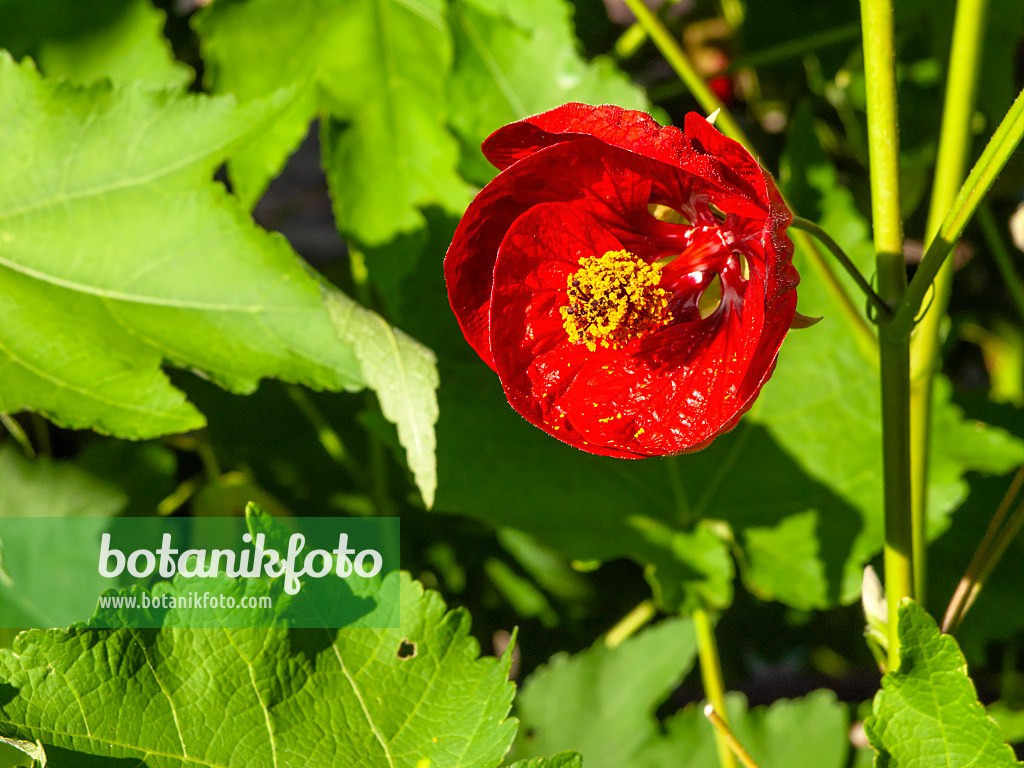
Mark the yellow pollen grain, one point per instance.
(613, 299)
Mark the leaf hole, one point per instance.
(711, 299)
(667, 214)
(406, 649)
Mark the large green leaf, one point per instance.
(927, 714)
(118, 251)
(387, 78)
(798, 733)
(119, 39)
(375, 70)
(601, 702)
(390, 698)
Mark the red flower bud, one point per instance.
(630, 284)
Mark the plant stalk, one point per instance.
(711, 676)
(954, 151)
(722, 727)
(894, 350)
(630, 623)
(14, 429)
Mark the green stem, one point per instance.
(631, 623)
(634, 37)
(722, 727)
(678, 60)
(1001, 255)
(15, 430)
(711, 676)
(998, 152)
(851, 269)
(954, 150)
(894, 351)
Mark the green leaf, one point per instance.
(119, 39)
(118, 251)
(403, 373)
(376, 71)
(44, 488)
(601, 702)
(798, 733)
(389, 698)
(927, 714)
(516, 58)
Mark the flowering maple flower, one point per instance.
(631, 284)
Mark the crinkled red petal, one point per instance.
(670, 392)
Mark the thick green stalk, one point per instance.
(894, 351)
(951, 165)
(992, 161)
(711, 676)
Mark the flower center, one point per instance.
(613, 299)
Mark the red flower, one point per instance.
(630, 284)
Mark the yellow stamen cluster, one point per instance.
(613, 299)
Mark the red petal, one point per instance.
(669, 393)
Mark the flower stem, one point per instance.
(630, 623)
(711, 676)
(851, 269)
(678, 60)
(954, 150)
(999, 150)
(894, 350)
(722, 727)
